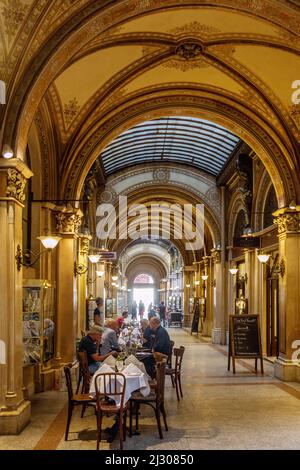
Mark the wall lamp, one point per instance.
(24, 258)
(81, 268)
(99, 274)
(240, 279)
(204, 279)
(278, 267)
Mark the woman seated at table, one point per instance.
(90, 343)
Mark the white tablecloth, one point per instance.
(135, 380)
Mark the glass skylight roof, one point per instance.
(185, 140)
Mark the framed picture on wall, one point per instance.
(241, 306)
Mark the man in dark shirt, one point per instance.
(98, 312)
(90, 343)
(162, 342)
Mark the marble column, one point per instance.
(218, 330)
(287, 366)
(67, 226)
(14, 410)
(84, 244)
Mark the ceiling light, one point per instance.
(7, 151)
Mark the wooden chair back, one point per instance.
(112, 385)
(84, 370)
(160, 380)
(169, 361)
(178, 353)
(67, 371)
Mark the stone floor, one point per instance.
(218, 411)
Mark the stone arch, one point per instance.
(235, 208)
(215, 108)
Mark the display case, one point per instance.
(38, 321)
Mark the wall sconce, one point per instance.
(7, 151)
(233, 271)
(197, 283)
(204, 277)
(114, 278)
(188, 285)
(99, 274)
(278, 267)
(24, 258)
(94, 258)
(81, 268)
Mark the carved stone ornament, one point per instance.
(188, 50)
(67, 222)
(16, 183)
(84, 245)
(289, 222)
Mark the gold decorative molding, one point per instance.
(71, 109)
(287, 221)
(194, 28)
(68, 222)
(295, 114)
(16, 184)
(84, 244)
(216, 255)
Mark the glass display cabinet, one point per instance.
(38, 321)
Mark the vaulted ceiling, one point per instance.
(79, 60)
(178, 139)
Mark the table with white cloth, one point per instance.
(135, 380)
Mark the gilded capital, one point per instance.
(13, 176)
(84, 244)
(287, 220)
(68, 222)
(16, 184)
(216, 255)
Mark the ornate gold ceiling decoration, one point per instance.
(13, 14)
(194, 28)
(189, 50)
(113, 99)
(71, 109)
(295, 114)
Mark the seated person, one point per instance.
(123, 319)
(109, 337)
(90, 343)
(148, 334)
(162, 342)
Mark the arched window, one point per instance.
(143, 279)
(270, 207)
(240, 224)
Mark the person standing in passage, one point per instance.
(141, 309)
(98, 312)
(134, 310)
(162, 313)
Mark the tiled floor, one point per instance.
(218, 411)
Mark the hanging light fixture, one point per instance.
(263, 258)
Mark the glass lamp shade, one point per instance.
(99, 273)
(197, 283)
(233, 270)
(113, 284)
(204, 277)
(263, 258)
(7, 152)
(188, 285)
(94, 258)
(114, 278)
(49, 242)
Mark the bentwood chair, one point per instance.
(84, 376)
(155, 400)
(175, 372)
(82, 399)
(112, 385)
(169, 361)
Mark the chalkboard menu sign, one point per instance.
(244, 339)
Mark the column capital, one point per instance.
(287, 220)
(216, 255)
(68, 221)
(84, 240)
(13, 177)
